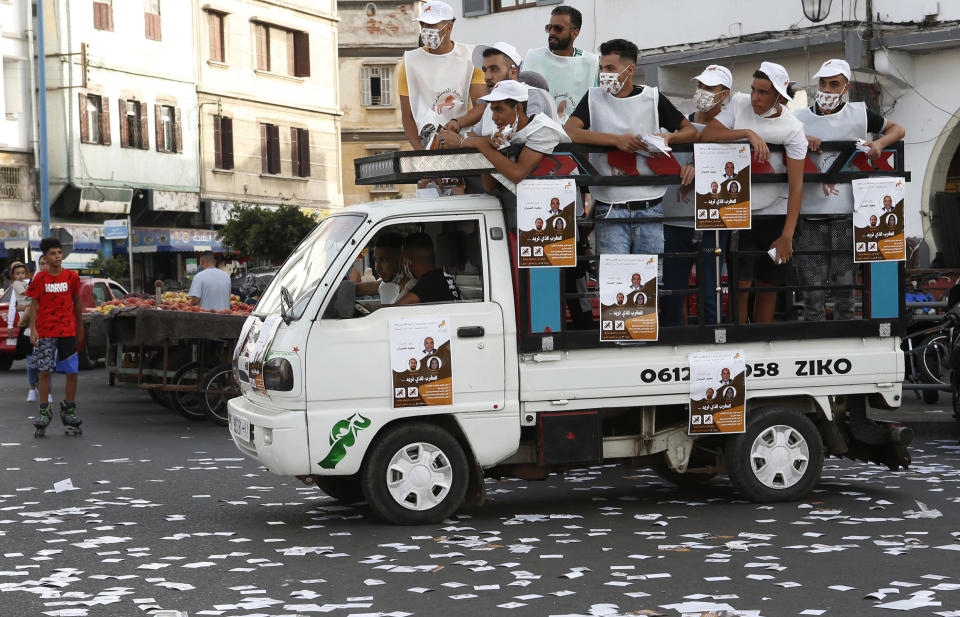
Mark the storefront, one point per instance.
(167, 254)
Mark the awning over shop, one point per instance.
(15, 235)
(166, 240)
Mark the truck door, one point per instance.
(349, 375)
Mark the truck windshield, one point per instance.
(302, 271)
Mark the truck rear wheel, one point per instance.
(778, 458)
(415, 474)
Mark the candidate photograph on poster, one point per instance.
(717, 392)
(628, 298)
(420, 362)
(722, 186)
(546, 223)
(878, 233)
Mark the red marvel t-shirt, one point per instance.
(54, 296)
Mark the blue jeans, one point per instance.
(627, 238)
(676, 273)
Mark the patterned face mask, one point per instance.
(432, 39)
(827, 101)
(705, 100)
(611, 83)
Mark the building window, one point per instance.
(270, 148)
(300, 152)
(94, 119)
(223, 142)
(169, 132)
(383, 188)
(133, 125)
(509, 5)
(103, 15)
(279, 49)
(10, 183)
(215, 34)
(375, 85)
(151, 19)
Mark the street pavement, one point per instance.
(166, 513)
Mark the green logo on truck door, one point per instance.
(342, 436)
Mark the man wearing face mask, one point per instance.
(830, 118)
(392, 283)
(568, 70)
(615, 115)
(713, 91)
(436, 82)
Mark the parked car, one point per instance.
(93, 292)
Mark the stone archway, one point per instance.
(935, 176)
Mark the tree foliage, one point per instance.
(265, 233)
(115, 267)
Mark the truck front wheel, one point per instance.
(415, 474)
(778, 458)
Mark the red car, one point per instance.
(93, 292)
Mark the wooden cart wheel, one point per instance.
(218, 387)
(189, 404)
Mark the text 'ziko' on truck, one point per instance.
(475, 354)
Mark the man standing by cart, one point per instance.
(210, 288)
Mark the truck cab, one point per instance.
(529, 394)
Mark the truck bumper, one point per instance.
(276, 438)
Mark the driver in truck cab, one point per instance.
(391, 284)
(433, 284)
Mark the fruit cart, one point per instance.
(179, 354)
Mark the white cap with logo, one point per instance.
(834, 67)
(434, 12)
(716, 75)
(778, 77)
(508, 89)
(506, 49)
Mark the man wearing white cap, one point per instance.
(568, 70)
(616, 115)
(713, 93)
(761, 117)
(437, 82)
(498, 62)
(832, 119)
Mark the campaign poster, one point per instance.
(628, 298)
(546, 223)
(717, 392)
(420, 362)
(722, 186)
(878, 233)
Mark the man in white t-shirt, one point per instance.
(436, 82)
(568, 70)
(210, 288)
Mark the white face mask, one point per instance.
(611, 82)
(705, 100)
(827, 101)
(432, 39)
(507, 131)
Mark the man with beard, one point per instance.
(392, 284)
(569, 70)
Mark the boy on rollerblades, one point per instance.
(56, 333)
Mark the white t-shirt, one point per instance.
(539, 102)
(569, 77)
(795, 145)
(542, 134)
(212, 286)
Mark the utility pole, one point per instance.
(42, 120)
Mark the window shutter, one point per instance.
(84, 119)
(105, 121)
(473, 8)
(217, 148)
(291, 54)
(226, 139)
(263, 48)
(294, 153)
(97, 16)
(304, 144)
(158, 128)
(124, 129)
(144, 126)
(108, 9)
(264, 150)
(386, 88)
(365, 85)
(274, 149)
(177, 131)
(302, 53)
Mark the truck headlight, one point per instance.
(278, 375)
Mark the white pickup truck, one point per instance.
(318, 401)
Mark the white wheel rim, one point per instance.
(419, 476)
(779, 457)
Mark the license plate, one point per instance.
(12, 342)
(240, 427)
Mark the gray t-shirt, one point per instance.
(212, 286)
